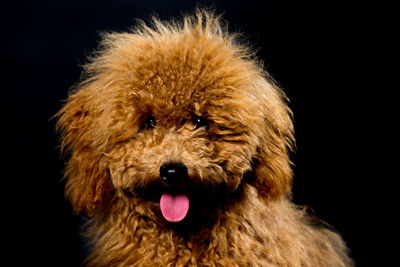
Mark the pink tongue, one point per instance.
(174, 207)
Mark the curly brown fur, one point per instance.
(239, 175)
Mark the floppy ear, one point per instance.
(272, 174)
(87, 180)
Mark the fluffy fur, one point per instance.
(239, 170)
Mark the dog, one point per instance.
(177, 145)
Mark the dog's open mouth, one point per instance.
(174, 208)
(190, 203)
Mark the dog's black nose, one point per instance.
(173, 173)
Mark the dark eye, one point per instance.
(150, 122)
(199, 121)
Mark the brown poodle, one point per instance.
(178, 146)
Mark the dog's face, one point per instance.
(174, 121)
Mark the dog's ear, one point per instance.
(272, 173)
(87, 180)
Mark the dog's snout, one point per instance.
(173, 173)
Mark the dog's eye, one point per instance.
(150, 122)
(199, 121)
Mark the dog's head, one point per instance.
(175, 117)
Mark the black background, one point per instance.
(318, 52)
